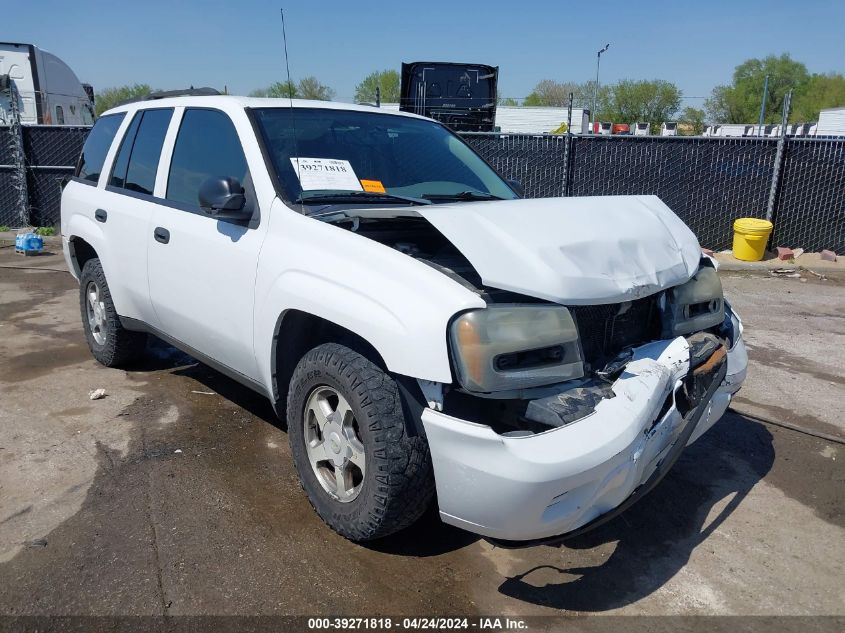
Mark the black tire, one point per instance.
(120, 346)
(398, 484)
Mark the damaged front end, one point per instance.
(596, 360)
(518, 459)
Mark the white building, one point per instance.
(831, 122)
(532, 120)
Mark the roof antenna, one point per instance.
(292, 117)
(287, 64)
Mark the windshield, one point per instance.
(380, 157)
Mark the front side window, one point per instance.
(137, 161)
(335, 151)
(207, 146)
(97, 146)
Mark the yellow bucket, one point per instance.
(750, 237)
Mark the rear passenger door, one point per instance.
(202, 269)
(127, 209)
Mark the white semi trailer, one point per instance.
(49, 92)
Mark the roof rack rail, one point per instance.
(165, 94)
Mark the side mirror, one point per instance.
(223, 198)
(517, 187)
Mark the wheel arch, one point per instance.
(80, 252)
(298, 331)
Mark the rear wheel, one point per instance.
(363, 473)
(110, 343)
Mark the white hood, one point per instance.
(578, 251)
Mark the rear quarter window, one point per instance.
(97, 146)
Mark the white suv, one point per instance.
(541, 363)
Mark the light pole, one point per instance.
(596, 87)
(763, 106)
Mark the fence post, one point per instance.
(779, 156)
(16, 140)
(566, 147)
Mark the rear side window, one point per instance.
(97, 146)
(207, 146)
(137, 161)
(60, 115)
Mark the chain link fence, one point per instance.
(708, 182)
(45, 156)
(51, 152)
(810, 203)
(13, 188)
(9, 204)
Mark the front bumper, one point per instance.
(552, 483)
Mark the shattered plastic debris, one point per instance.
(97, 394)
(819, 275)
(785, 272)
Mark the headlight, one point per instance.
(515, 346)
(694, 306)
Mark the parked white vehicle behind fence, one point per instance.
(541, 362)
(49, 92)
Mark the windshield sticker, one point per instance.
(374, 186)
(325, 173)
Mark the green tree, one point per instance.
(508, 101)
(693, 120)
(550, 93)
(311, 88)
(386, 80)
(739, 102)
(280, 89)
(110, 97)
(820, 92)
(645, 100)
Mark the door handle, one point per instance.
(161, 234)
(101, 215)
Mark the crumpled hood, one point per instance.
(578, 251)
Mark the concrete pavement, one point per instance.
(176, 493)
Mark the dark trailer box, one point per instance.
(461, 96)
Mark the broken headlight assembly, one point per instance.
(695, 305)
(731, 326)
(515, 346)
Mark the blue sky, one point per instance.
(239, 44)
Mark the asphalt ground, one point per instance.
(176, 493)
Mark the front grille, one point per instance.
(606, 330)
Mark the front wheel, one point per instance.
(363, 473)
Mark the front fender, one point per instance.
(397, 304)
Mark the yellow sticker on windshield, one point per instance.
(373, 185)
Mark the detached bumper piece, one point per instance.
(572, 478)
